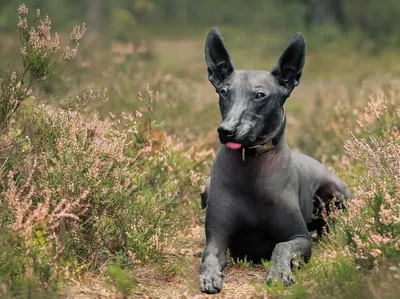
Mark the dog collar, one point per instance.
(263, 148)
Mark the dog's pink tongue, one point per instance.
(233, 145)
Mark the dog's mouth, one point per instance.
(233, 145)
(252, 141)
(238, 143)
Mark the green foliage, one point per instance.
(23, 271)
(241, 262)
(121, 279)
(362, 238)
(77, 191)
(124, 19)
(377, 20)
(327, 278)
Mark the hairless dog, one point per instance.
(261, 197)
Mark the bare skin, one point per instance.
(259, 203)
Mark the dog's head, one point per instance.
(251, 102)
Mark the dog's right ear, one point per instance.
(219, 64)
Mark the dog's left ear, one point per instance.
(219, 64)
(290, 65)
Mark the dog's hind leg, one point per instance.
(332, 193)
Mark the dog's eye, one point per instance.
(223, 92)
(260, 96)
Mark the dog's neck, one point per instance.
(260, 149)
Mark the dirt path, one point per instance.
(240, 281)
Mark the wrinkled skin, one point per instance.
(259, 208)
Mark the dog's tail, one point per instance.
(204, 194)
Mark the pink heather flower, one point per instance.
(378, 239)
(70, 53)
(22, 9)
(376, 252)
(330, 254)
(34, 39)
(44, 29)
(358, 242)
(397, 245)
(23, 51)
(68, 216)
(56, 43)
(84, 195)
(22, 23)
(386, 215)
(13, 77)
(78, 32)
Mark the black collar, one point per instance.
(258, 150)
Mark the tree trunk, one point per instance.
(94, 16)
(325, 12)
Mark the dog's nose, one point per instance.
(226, 130)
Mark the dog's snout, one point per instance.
(226, 130)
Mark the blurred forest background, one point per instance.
(160, 41)
(106, 138)
(375, 20)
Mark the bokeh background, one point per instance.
(132, 43)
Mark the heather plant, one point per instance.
(111, 176)
(363, 238)
(372, 223)
(78, 191)
(42, 59)
(342, 110)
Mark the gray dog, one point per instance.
(261, 196)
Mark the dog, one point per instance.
(261, 197)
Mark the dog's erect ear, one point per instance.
(290, 65)
(219, 64)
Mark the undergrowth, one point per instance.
(77, 192)
(354, 258)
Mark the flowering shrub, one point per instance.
(372, 223)
(363, 239)
(93, 175)
(41, 57)
(343, 109)
(77, 191)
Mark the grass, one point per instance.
(108, 205)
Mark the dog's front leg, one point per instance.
(213, 263)
(213, 260)
(282, 257)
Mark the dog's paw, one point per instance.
(284, 276)
(211, 282)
